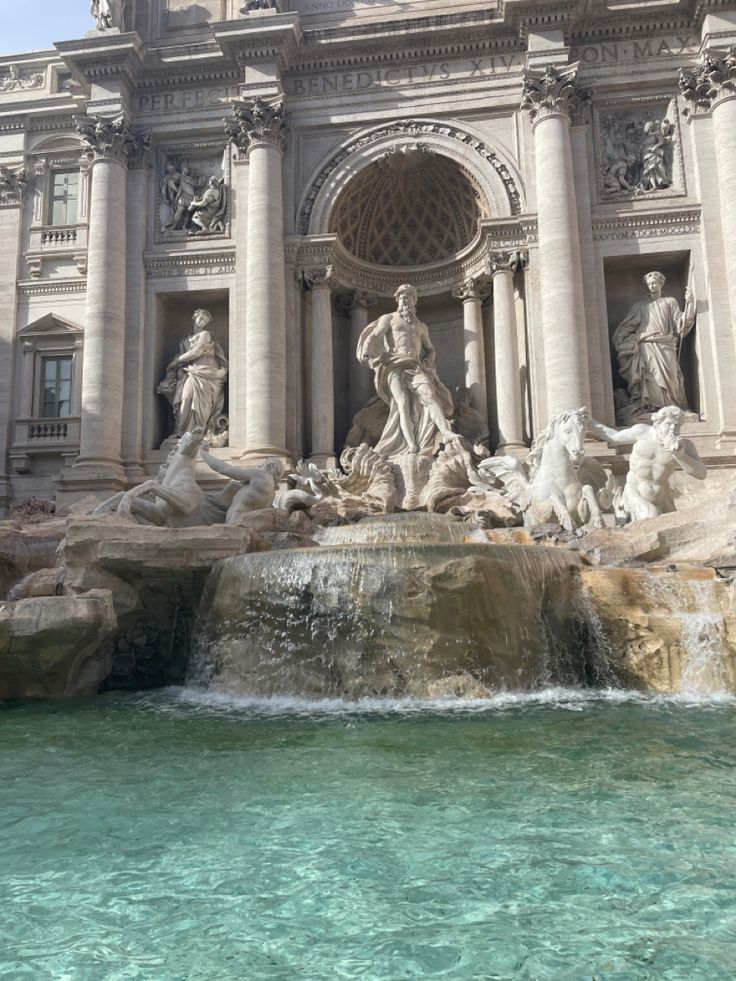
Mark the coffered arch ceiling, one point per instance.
(412, 207)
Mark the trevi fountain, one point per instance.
(363, 614)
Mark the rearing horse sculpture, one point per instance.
(559, 482)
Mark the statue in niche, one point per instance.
(207, 214)
(195, 382)
(657, 451)
(259, 5)
(398, 349)
(647, 343)
(637, 154)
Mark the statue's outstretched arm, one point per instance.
(688, 458)
(242, 474)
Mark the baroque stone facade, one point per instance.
(286, 165)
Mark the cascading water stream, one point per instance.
(400, 605)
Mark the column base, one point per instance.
(515, 449)
(259, 454)
(324, 461)
(6, 496)
(95, 478)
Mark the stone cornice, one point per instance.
(174, 265)
(554, 92)
(650, 224)
(266, 38)
(103, 58)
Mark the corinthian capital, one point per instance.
(504, 261)
(12, 186)
(316, 276)
(111, 138)
(554, 93)
(257, 123)
(471, 289)
(713, 80)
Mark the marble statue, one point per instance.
(647, 343)
(174, 499)
(559, 482)
(398, 349)
(102, 12)
(657, 451)
(207, 214)
(249, 488)
(308, 485)
(195, 380)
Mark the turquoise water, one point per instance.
(175, 837)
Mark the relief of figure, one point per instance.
(398, 349)
(208, 212)
(657, 451)
(195, 379)
(637, 155)
(647, 343)
(655, 173)
(178, 191)
(17, 81)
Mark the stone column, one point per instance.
(258, 130)
(553, 100)
(506, 350)
(360, 377)
(12, 197)
(712, 85)
(472, 294)
(321, 388)
(111, 145)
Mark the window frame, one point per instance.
(55, 172)
(44, 358)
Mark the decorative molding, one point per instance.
(710, 82)
(183, 264)
(643, 225)
(554, 92)
(257, 123)
(420, 131)
(51, 286)
(109, 138)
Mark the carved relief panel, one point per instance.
(192, 191)
(638, 150)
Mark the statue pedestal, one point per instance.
(411, 473)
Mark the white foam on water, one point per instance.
(570, 699)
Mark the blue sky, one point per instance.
(28, 24)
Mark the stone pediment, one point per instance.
(51, 325)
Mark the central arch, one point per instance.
(489, 170)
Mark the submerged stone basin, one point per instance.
(413, 618)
